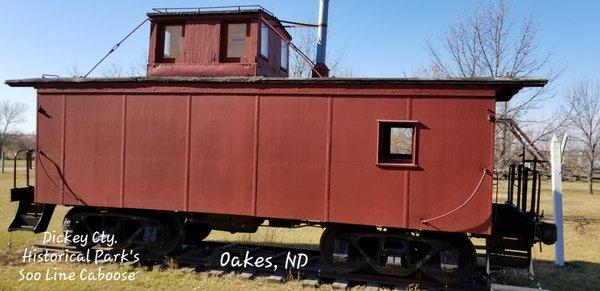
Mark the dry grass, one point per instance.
(12, 244)
(582, 233)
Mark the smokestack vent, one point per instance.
(320, 65)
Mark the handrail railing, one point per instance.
(28, 165)
(524, 185)
(212, 8)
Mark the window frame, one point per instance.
(287, 57)
(160, 47)
(387, 159)
(224, 41)
(260, 49)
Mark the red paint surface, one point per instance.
(222, 154)
(295, 151)
(49, 141)
(155, 152)
(291, 157)
(455, 145)
(92, 143)
(356, 182)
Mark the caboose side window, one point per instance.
(397, 143)
(264, 40)
(172, 41)
(236, 40)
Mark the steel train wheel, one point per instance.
(88, 221)
(447, 258)
(445, 267)
(158, 233)
(74, 223)
(338, 251)
(195, 232)
(169, 235)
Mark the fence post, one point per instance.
(2, 162)
(556, 164)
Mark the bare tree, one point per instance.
(137, 67)
(583, 111)
(112, 70)
(306, 41)
(73, 70)
(17, 141)
(11, 114)
(491, 43)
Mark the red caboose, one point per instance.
(217, 137)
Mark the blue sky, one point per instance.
(380, 38)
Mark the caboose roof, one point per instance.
(191, 13)
(506, 88)
(157, 12)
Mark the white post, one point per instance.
(556, 164)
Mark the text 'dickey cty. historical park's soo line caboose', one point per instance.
(398, 171)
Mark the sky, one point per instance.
(379, 38)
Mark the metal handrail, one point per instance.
(28, 165)
(519, 177)
(211, 8)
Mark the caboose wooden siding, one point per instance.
(272, 148)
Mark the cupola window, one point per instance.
(236, 40)
(172, 41)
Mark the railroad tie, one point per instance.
(247, 275)
(310, 282)
(216, 273)
(275, 279)
(340, 284)
(372, 286)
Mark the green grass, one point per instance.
(582, 235)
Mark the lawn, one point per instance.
(582, 232)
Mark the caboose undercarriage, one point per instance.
(447, 257)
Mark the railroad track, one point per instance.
(299, 264)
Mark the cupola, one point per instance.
(229, 41)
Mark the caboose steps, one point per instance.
(23, 193)
(30, 216)
(510, 244)
(508, 253)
